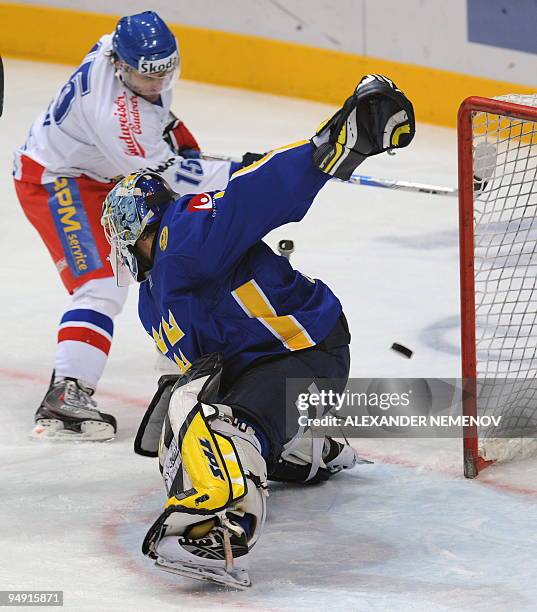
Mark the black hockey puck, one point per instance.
(286, 248)
(402, 349)
(286, 245)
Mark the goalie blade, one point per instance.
(54, 429)
(237, 578)
(205, 558)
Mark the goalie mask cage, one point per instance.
(497, 141)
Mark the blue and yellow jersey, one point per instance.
(215, 286)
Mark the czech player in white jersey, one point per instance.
(111, 118)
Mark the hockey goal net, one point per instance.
(498, 265)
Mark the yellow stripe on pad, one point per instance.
(286, 328)
(213, 467)
(337, 155)
(402, 129)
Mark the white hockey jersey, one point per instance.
(97, 127)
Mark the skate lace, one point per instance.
(75, 396)
(212, 545)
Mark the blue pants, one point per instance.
(258, 395)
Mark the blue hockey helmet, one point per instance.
(135, 203)
(147, 53)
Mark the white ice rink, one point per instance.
(407, 533)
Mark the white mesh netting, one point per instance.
(505, 226)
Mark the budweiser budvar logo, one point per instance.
(130, 124)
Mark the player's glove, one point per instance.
(180, 139)
(376, 118)
(249, 158)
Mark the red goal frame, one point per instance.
(473, 463)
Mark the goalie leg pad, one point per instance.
(206, 371)
(376, 118)
(215, 478)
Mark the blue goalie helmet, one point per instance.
(135, 203)
(147, 53)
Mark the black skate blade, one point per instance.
(238, 579)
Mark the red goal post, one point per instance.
(497, 163)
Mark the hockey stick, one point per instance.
(372, 181)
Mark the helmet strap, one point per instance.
(145, 262)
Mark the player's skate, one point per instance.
(68, 412)
(376, 118)
(215, 477)
(310, 459)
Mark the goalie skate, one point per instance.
(205, 558)
(312, 460)
(68, 413)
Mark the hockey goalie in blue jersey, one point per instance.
(239, 321)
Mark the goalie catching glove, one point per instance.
(215, 478)
(377, 117)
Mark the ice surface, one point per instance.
(408, 533)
